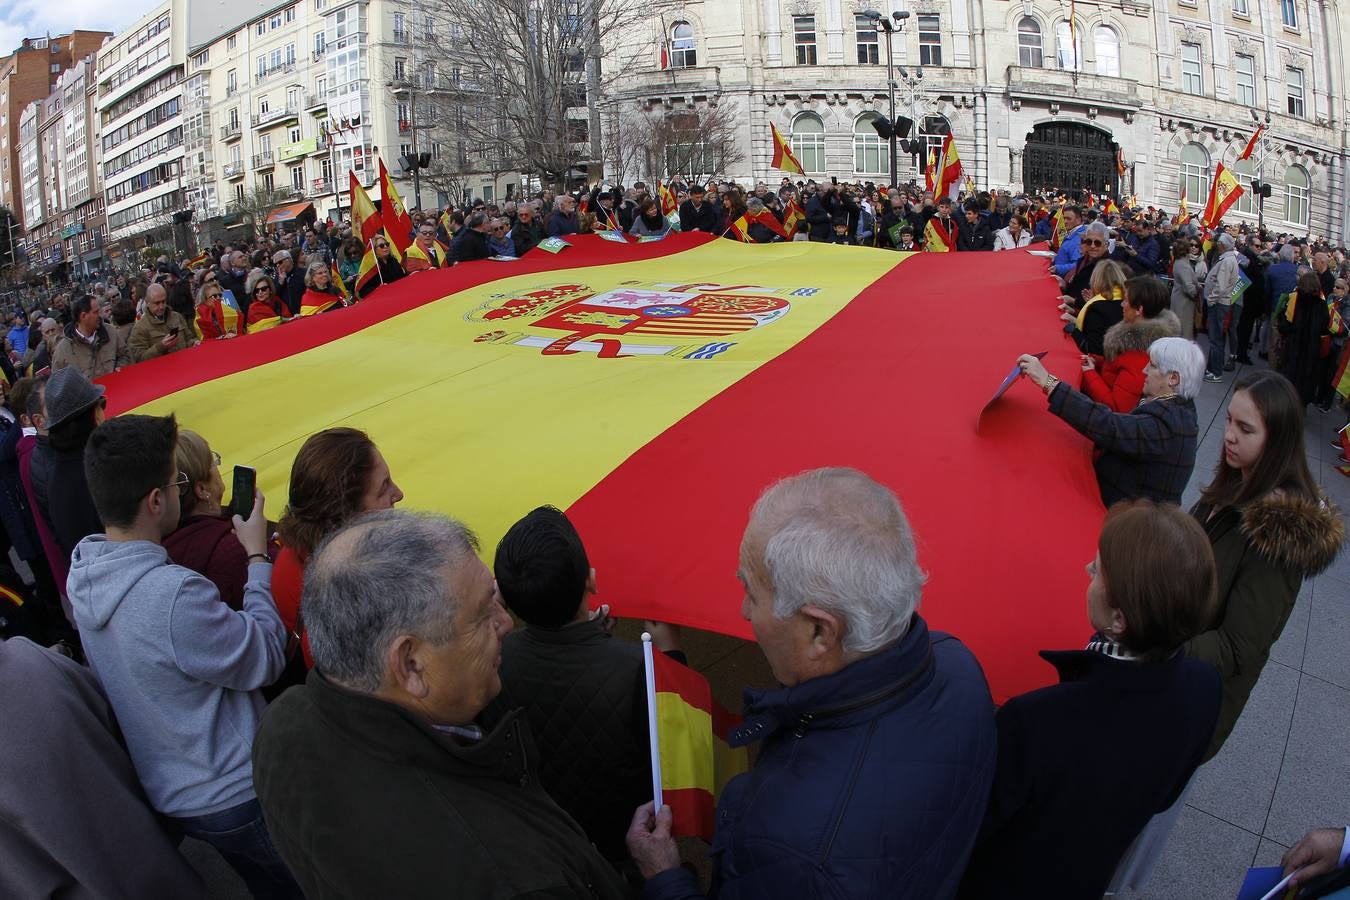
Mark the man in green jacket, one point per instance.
(160, 330)
(372, 776)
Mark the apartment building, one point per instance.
(84, 225)
(29, 73)
(140, 123)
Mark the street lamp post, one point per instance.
(1260, 187)
(884, 24)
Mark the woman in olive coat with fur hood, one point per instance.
(1270, 526)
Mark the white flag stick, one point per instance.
(650, 668)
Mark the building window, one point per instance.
(1191, 80)
(1068, 47)
(261, 29)
(1029, 51)
(932, 131)
(290, 54)
(290, 14)
(400, 28)
(267, 183)
(320, 44)
(297, 178)
(265, 144)
(1289, 13)
(1293, 80)
(201, 59)
(1195, 173)
(808, 142)
(804, 32)
(1243, 172)
(871, 155)
(1296, 196)
(276, 21)
(1244, 80)
(869, 48)
(1240, 8)
(239, 191)
(400, 68)
(404, 150)
(683, 54)
(230, 42)
(930, 40)
(264, 106)
(1106, 47)
(293, 134)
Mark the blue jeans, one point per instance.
(1214, 323)
(240, 836)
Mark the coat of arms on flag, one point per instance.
(631, 320)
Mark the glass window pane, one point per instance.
(1107, 48)
(1029, 52)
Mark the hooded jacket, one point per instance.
(1263, 553)
(180, 668)
(1222, 279)
(104, 355)
(1120, 383)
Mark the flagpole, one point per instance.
(378, 270)
(649, 665)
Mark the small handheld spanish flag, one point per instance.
(692, 758)
(336, 278)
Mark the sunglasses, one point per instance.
(262, 289)
(381, 246)
(1093, 243)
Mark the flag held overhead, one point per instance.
(783, 157)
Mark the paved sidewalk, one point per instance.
(1283, 771)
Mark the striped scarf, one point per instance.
(1100, 643)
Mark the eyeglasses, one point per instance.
(381, 246)
(263, 289)
(1092, 243)
(214, 296)
(182, 481)
(215, 457)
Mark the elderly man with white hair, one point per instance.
(373, 777)
(1149, 451)
(877, 753)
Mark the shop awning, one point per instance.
(288, 212)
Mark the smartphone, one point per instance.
(173, 332)
(245, 486)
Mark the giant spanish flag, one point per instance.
(653, 390)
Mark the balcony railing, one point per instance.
(320, 187)
(233, 169)
(1103, 90)
(230, 131)
(282, 69)
(316, 100)
(264, 160)
(277, 114)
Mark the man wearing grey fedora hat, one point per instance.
(74, 408)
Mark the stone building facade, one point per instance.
(1032, 102)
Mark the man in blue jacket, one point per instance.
(1070, 251)
(877, 753)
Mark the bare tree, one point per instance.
(254, 206)
(528, 75)
(697, 142)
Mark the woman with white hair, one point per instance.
(1148, 452)
(321, 294)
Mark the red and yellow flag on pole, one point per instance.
(1183, 211)
(783, 157)
(696, 758)
(366, 222)
(666, 199)
(1120, 163)
(937, 238)
(1222, 194)
(1251, 143)
(793, 217)
(947, 171)
(336, 277)
(397, 223)
(722, 368)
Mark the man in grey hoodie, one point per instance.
(1220, 284)
(181, 669)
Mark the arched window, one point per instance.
(1106, 47)
(871, 154)
(808, 142)
(1068, 47)
(1246, 201)
(1296, 196)
(1195, 175)
(683, 55)
(1029, 52)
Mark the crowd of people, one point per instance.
(349, 702)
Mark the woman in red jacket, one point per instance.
(204, 540)
(339, 473)
(1120, 382)
(265, 311)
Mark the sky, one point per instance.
(36, 18)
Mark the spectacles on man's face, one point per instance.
(1092, 242)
